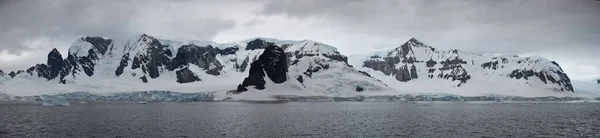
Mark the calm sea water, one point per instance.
(308, 119)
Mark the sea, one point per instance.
(300, 119)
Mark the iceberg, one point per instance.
(54, 100)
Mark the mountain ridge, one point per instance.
(150, 60)
(417, 63)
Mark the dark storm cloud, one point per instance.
(23, 21)
(479, 26)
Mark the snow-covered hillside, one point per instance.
(149, 63)
(419, 68)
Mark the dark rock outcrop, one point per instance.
(124, 63)
(144, 79)
(203, 57)
(186, 76)
(272, 64)
(359, 89)
(300, 79)
(12, 74)
(257, 44)
(598, 81)
(2, 73)
(228, 50)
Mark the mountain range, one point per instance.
(280, 67)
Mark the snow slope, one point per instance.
(100, 65)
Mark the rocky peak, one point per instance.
(598, 81)
(55, 63)
(308, 48)
(414, 42)
(12, 74)
(257, 44)
(2, 73)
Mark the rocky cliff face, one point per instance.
(272, 64)
(415, 61)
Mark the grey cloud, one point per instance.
(481, 26)
(567, 31)
(65, 20)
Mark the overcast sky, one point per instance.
(567, 31)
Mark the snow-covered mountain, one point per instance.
(417, 67)
(149, 63)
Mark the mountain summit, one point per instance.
(414, 66)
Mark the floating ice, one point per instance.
(54, 100)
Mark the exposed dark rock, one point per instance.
(359, 89)
(545, 76)
(228, 50)
(386, 67)
(244, 65)
(413, 72)
(55, 64)
(337, 57)
(273, 62)
(364, 73)
(2, 73)
(99, 43)
(257, 44)
(598, 81)
(403, 74)
(186, 76)
(300, 79)
(241, 88)
(144, 79)
(203, 57)
(122, 65)
(12, 74)
(490, 65)
(430, 63)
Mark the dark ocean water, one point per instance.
(300, 119)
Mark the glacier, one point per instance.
(168, 96)
(54, 100)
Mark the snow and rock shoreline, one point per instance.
(166, 96)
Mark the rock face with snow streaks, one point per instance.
(414, 61)
(272, 64)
